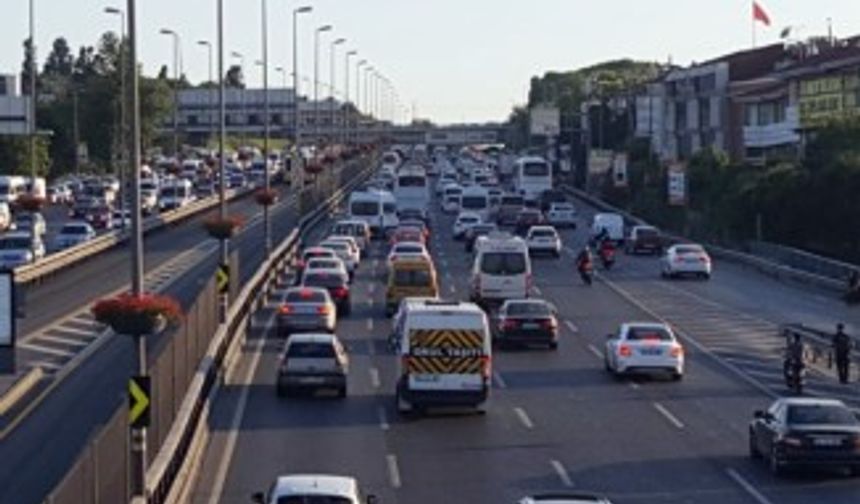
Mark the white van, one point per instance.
(451, 198)
(445, 351)
(377, 208)
(612, 223)
(175, 194)
(476, 199)
(502, 269)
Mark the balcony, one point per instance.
(774, 134)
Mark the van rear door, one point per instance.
(503, 274)
(447, 359)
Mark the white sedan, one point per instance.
(561, 214)
(327, 264)
(686, 259)
(464, 221)
(343, 251)
(544, 240)
(644, 347)
(407, 250)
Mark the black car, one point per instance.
(806, 432)
(527, 322)
(337, 285)
(526, 219)
(473, 233)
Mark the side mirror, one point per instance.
(372, 499)
(258, 498)
(759, 414)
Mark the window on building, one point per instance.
(192, 120)
(707, 83)
(277, 119)
(704, 113)
(680, 115)
(253, 119)
(749, 114)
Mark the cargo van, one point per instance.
(510, 206)
(377, 208)
(445, 351)
(410, 278)
(476, 199)
(175, 194)
(502, 269)
(612, 223)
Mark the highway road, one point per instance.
(179, 260)
(557, 420)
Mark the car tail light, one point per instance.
(405, 364)
(791, 441)
(529, 282)
(286, 309)
(679, 259)
(625, 351)
(509, 324)
(486, 367)
(300, 264)
(856, 443)
(549, 324)
(676, 351)
(324, 310)
(704, 259)
(340, 292)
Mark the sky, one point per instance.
(449, 60)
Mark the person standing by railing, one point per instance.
(842, 352)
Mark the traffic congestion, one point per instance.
(462, 276)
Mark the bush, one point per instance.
(222, 229)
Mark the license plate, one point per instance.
(827, 441)
(650, 351)
(312, 380)
(530, 325)
(426, 378)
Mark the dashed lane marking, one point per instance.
(668, 415)
(570, 325)
(499, 381)
(747, 486)
(562, 473)
(597, 353)
(524, 418)
(374, 377)
(46, 350)
(370, 323)
(383, 419)
(393, 470)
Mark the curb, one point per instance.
(23, 386)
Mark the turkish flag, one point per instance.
(760, 15)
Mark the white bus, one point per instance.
(532, 176)
(411, 188)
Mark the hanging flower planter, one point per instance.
(222, 229)
(266, 197)
(142, 315)
(329, 159)
(313, 167)
(30, 203)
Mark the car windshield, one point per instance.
(364, 208)
(408, 249)
(562, 208)
(648, 334)
(323, 280)
(310, 350)
(73, 230)
(528, 309)
(503, 263)
(824, 414)
(14, 243)
(306, 296)
(536, 169)
(412, 278)
(512, 201)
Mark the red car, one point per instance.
(100, 217)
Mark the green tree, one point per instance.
(235, 77)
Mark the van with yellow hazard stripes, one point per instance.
(445, 355)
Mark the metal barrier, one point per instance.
(804, 261)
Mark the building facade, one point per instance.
(14, 108)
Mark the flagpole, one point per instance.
(752, 5)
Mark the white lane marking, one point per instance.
(370, 323)
(375, 265)
(453, 289)
(537, 290)
(383, 419)
(499, 381)
(393, 470)
(747, 486)
(668, 415)
(570, 325)
(47, 350)
(374, 377)
(562, 473)
(597, 353)
(633, 385)
(524, 418)
(63, 341)
(238, 415)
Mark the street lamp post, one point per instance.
(176, 77)
(347, 108)
(317, 32)
(267, 179)
(242, 104)
(138, 436)
(222, 138)
(296, 134)
(368, 70)
(31, 125)
(358, 75)
(208, 46)
(123, 132)
(332, 85)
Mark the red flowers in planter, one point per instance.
(329, 158)
(30, 203)
(137, 315)
(266, 197)
(222, 229)
(313, 167)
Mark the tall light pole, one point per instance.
(222, 163)
(358, 75)
(208, 46)
(242, 103)
(317, 32)
(347, 108)
(267, 180)
(332, 93)
(296, 134)
(123, 131)
(176, 77)
(368, 70)
(138, 436)
(283, 72)
(31, 126)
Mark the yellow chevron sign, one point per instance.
(138, 401)
(445, 351)
(222, 278)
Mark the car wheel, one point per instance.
(776, 468)
(753, 449)
(341, 392)
(282, 390)
(677, 376)
(346, 309)
(606, 365)
(706, 276)
(553, 345)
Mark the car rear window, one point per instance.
(646, 233)
(412, 278)
(408, 249)
(323, 264)
(689, 250)
(648, 334)
(808, 414)
(530, 309)
(308, 350)
(313, 499)
(335, 245)
(323, 280)
(513, 201)
(543, 233)
(305, 296)
(309, 254)
(503, 263)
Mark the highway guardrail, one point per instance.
(73, 255)
(169, 474)
(763, 265)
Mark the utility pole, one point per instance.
(176, 78)
(296, 134)
(317, 32)
(123, 135)
(347, 108)
(222, 138)
(267, 182)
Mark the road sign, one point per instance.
(545, 120)
(7, 309)
(677, 181)
(222, 278)
(138, 402)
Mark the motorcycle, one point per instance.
(607, 257)
(586, 273)
(795, 375)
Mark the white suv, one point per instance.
(313, 488)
